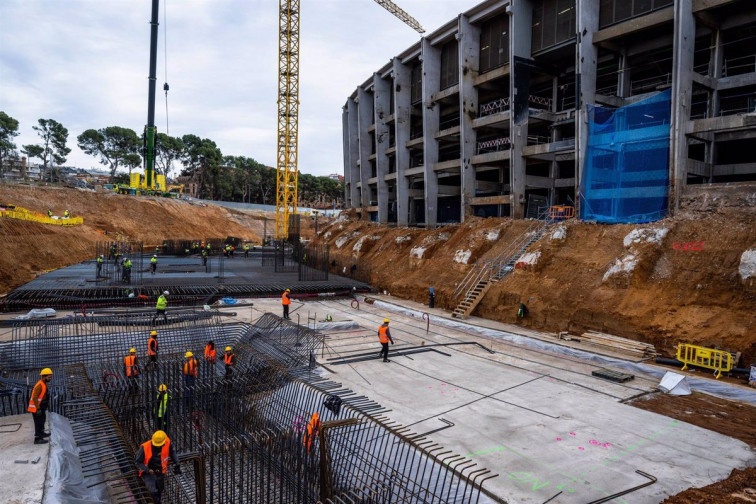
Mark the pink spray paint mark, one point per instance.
(573, 434)
(581, 448)
(606, 445)
(594, 442)
(559, 439)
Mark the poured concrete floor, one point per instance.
(24, 482)
(541, 421)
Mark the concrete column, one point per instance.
(354, 154)
(431, 112)
(623, 77)
(382, 93)
(682, 88)
(365, 119)
(469, 64)
(520, 33)
(345, 151)
(715, 70)
(585, 80)
(402, 106)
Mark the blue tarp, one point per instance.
(626, 173)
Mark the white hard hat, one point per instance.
(165, 293)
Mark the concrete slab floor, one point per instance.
(21, 483)
(549, 429)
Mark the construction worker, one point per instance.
(210, 352)
(127, 270)
(152, 347)
(311, 432)
(153, 264)
(431, 297)
(384, 336)
(160, 409)
(162, 304)
(66, 214)
(113, 249)
(152, 461)
(204, 257)
(190, 373)
(246, 251)
(38, 404)
(49, 213)
(285, 302)
(523, 311)
(131, 368)
(157, 249)
(229, 359)
(99, 265)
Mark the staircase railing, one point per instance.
(496, 268)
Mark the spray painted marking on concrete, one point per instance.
(537, 483)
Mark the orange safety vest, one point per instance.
(382, 336)
(227, 359)
(312, 430)
(164, 454)
(152, 346)
(285, 299)
(34, 405)
(209, 354)
(130, 361)
(190, 368)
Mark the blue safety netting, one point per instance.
(626, 172)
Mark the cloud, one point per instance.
(84, 63)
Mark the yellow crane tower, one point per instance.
(288, 105)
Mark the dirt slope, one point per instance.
(661, 293)
(28, 248)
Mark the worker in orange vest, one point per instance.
(38, 406)
(152, 347)
(210, 352)
(312, 431)
(229, 359)
(384, 336)
(190, 374)
(285, 302)
(131, 368)
(152, 461)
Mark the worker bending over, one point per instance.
(152, 460)
(311, 432)
(38, 404)
(210, 352)
(229, 359)
(384, 336)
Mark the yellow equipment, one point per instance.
(288, 106)
(718, 360)
(15, 212)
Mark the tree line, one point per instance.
(219, 177)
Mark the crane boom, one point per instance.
(288, 114)
(401, 14)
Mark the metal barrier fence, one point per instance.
(27, 215)
(718, 360)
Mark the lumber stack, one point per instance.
(612, 342)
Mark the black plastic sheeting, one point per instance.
(65, 483)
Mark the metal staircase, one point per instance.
(485, 273)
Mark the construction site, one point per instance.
(553, 305)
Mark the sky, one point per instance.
(85, 64)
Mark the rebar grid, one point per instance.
(245, 431)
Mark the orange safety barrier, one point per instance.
(718, 360)
(561, 212)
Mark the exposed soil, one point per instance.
(739, 488)
(28, 248)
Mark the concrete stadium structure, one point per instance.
(487, 115)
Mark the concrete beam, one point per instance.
(452, 164)
(494, 74)
(682, 89)
(633, 25)
(587, 58)
(736, 81)
(354, 155)
(505, 199)
(699, 5)
(469, 61)
(735, 169)
(431, 113)
(382, 95)
(402, 107)
(365, 119)
(500, 118)
(492, 157)
(717, 124)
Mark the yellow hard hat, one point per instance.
(189, 354)
(385, 321)
(158, 439)
(133, 350)
(162, 387)
(46, 372)
(288, 290)
(153, 333)
(228, 349)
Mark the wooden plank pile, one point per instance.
(615, 343)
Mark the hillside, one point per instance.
(29, 248)
(677, 280)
